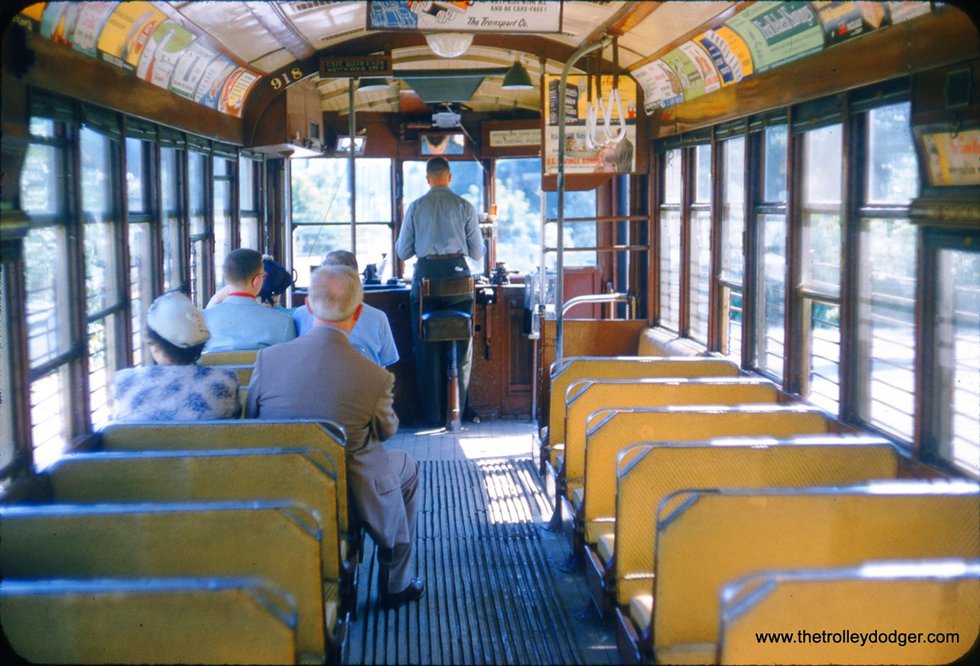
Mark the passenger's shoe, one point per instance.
(414, 592)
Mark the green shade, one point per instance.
(517, 78)
(372, 84)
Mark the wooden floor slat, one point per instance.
(491, 596)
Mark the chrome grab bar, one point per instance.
(600, 298)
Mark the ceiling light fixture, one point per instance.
(517, 78)
(449, 44)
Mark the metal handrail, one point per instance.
(559, 266)
(600, 298)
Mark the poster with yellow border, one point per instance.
(610, 148)
(127, 31)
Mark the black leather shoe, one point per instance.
(414, 592)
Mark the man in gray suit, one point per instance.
(321, 376)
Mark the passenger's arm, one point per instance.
(219, 296)
(388, 354)
(384, 422)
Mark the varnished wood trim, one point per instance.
(66, 72)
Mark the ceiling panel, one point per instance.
(234, 25)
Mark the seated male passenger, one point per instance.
(239, 321)
(372, 333)
(321, 376)
(176, 388)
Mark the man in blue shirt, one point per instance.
(239, 321)
(441, 229)
(371, 335)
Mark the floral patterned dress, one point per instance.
(174, 393)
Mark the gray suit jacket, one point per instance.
(321, 376)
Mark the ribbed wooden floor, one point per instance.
(493, 593)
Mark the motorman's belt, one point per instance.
(454, 255)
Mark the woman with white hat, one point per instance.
(176, 388)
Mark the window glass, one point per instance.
(249, 231)
(822, 165)
(222, 218)
(886, 320)
(135, 180)
(732, 210)
(321, 195)
(247, 199)
(101, 364)
(702, 173)
(774, 161)
(732, 245)
(958, 356)
(772, 306)
(50, 420)
(578, 204)
(140, 285)
(100, 283)
(518, 197)
(374, 190)
(821, 262)
(374, 247)
(467, 182)
(171, 218)
(670, 269)
(320, 191)
(700, 249)
(42, 181)
(672, 177)
(48, 311)
(700, 274)
(893, 176)
(311, 242)
(197, 193)
(46, 285)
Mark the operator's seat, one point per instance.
(448, 325)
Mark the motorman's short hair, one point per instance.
(436, 165)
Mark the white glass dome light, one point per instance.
(449, 44)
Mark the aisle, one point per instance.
(494, 594)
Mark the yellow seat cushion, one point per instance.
(694, 653)
(557, 455)
(606, 546)
(597, 527)
(641, 611)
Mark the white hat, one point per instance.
(177, 320)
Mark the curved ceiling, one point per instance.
(267, 36)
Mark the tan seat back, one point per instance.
(586, 396)
(132, 621)
(635, 512)
(890, 611)
(240, 357)
(302, 475)
(706, 539)
(277, 541)
(324, 436)
(564, 372)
